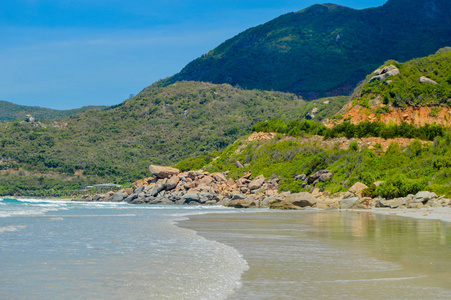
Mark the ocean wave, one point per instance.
(12, 228)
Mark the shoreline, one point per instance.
(432, 213)
(288, 251)
(428, 213)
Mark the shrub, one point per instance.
(370, 191)
(400, 186)
(354, 146)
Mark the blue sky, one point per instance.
(65, 54)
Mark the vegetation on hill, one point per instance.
(403, 170)
(420, 166)
(349, 130)
(158, 126)
(10, 111)
(324, 49)
(406, 89)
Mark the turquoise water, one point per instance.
(76, 250)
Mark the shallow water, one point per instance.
(70, 250)
(339, 255)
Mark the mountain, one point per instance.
(159, 126)
(324, 50)
(10, 111)
(417, 92)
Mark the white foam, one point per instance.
(12, 228)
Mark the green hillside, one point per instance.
(159, 126)
(404, 170)
(10, 111)
(406, 89)
(325, 49)
(421, 164)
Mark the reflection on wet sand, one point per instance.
(333, 254)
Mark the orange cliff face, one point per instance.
(418, 116)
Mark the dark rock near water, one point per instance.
(302, 199)
(119, 196)
(238, 204)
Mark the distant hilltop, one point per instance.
(10, 111)
(324, 50)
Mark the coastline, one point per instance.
(428, 213)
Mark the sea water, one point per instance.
(81, 250)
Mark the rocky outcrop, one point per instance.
(384, 73)
(169, 186)
(424, 79)
(320, 176)
(256, 183)
(203, 188)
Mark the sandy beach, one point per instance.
(323, 254)
(440, 213)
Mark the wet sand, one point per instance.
(334, 254)
(441, 213)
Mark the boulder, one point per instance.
(301, 177)
(355, 190)
(139, 190)
(207, 180)
(415, 205)
(257, 182)
(350, 203)
(163, 172)
(219, 177)
(302, 199)
(238, 197)
(142, 182)
(119, 196)
(382, 74)
(238, 204)
(204, 197)
(160, 201)
(424, 196)
(424, 79)
(394, 203)
(172, 183)
(97, 197)
(224, 201)
(398, 203)
(138, 201)
(278, 203)
(433, 203)
(320, 176)
(238, 165)
(383, 203)
(131, 198)
(190, 197)
(156, 189)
